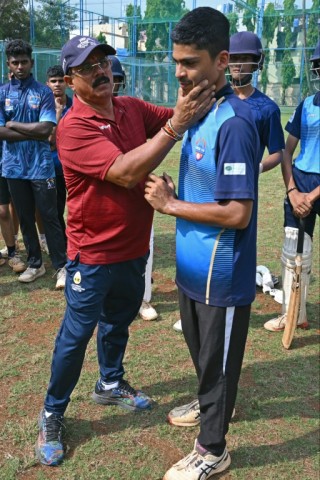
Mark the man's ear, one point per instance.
(223, 60)
(69, 81)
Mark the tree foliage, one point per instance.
(158, 33)
(288, 72)
(14, 20)
(249, 16)
(53, 22)
(233, 19)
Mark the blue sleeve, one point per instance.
(273, 137)
(2, 100)
(47, 110)
(294, 124)
(236, 154)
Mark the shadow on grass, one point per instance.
(293, 450)
(277, 403)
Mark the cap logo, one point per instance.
(85, 42)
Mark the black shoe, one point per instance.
(123, 395)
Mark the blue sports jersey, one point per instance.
(268, 120)
(305, 125)
(54, 153)
(217, 266)
(27, 101)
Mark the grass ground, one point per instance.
(274, 434)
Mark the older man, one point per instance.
(102, 144)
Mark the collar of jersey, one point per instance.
(22, 83)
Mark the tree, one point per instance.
(233, 19)
(101, 38)
(53, 22)
(270, 23)
(134, 25)
(249, 16)
(288, 72)
(158, 30)
(14, 20)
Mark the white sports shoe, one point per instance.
(177, 326)
(199, 465)
(187, 415)
(31, 274)
(4, 252)
(61, 278)
(147, 312)
(278, 324)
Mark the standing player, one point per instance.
(27, 116)
(246, 57)
(55, 81)
(302, 181)
(216, 211)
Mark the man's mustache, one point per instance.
(98, 81)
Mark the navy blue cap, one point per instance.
(116, 67)
(76, 50)
(245, 42)
(316, 53)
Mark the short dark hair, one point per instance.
(55, 71)
(204, 27)
(18, 47)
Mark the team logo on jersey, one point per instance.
(8, 105)
(234, 169)
(77, 278)
(200, 148)
(51, 183)
(34, 101)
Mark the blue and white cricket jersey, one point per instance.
(219, 161)
(305, 125)
(27, 101)
(268, 121)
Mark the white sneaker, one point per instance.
(278, 324)
(44, 245)
(4, 252)
(31, 274)
(177, 326)
(147, 312)
(199, 464)
(17, 265)
(61, 278)
(187, 415)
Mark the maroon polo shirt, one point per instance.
(106, 223)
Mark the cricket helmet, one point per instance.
(246, 43)
(118, 74)
(315, 62)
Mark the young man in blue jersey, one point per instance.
(58, 86)
(302, 181)
(216, 211)
(246, 57)
(27, 116)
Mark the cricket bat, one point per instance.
(295, 295)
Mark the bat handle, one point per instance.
(302, 223)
